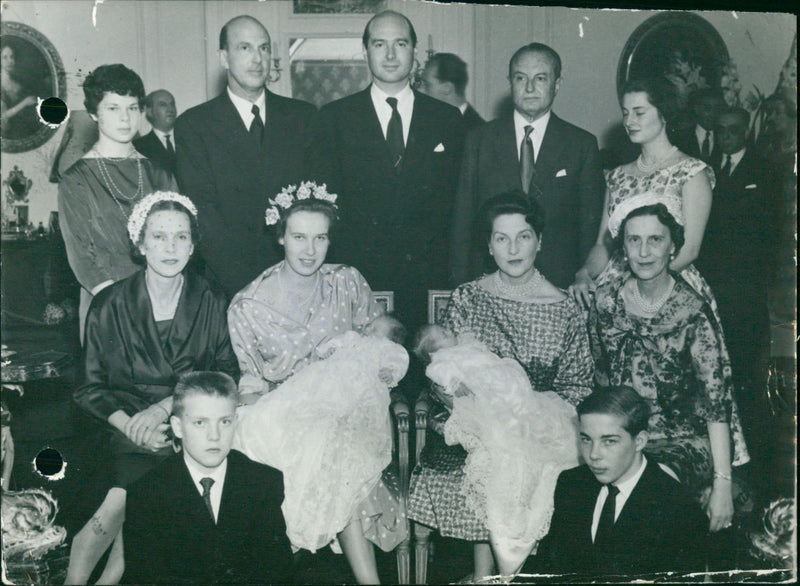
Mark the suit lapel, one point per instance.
(505, 156)
(549, 157)
(373, 132)
(230, 131)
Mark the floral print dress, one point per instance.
(673, 360)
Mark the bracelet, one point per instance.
(718, 474)
(160, 406)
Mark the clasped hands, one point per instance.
(148, 428)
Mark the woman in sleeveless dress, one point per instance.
(661, 174)
(97, 193)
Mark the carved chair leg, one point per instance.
(422, 535)
(404, 562)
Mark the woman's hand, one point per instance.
(386, 376)
(142, 426)
(583, 288)
(156, 438)
(720, 505)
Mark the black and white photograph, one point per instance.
(398, 291)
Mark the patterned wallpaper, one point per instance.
(320, 82)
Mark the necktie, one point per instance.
(706, 148)
(257, 126)
(206, 484)
(726, 167)
(170, 148)
(394, 136)
(526, 159)
(606, 524)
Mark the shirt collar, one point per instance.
(403, 96)
(463, 107)
(162, 135)
(737, 157)
(197, 474)
(626, 486)
(245, 107)
(539, 125)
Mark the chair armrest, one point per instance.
(421, 409)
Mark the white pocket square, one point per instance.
(562, 173)
(751, 186)
(439, 148)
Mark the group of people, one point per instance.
(292, 366)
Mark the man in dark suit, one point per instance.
(392, 154)
(445, 78)
(620, 514)
(738, 261)
(159, 144)
(236, 151)
(548, 158)
(207, 515)
(699, 140)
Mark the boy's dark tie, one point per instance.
(706, 148)
(206, 484)
(526, 159)
(394, 136)
(606, 524)
(726, 168)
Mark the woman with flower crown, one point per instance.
(331, 443)
(141, 334)
(97, 193)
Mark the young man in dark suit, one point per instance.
(739, 261)
(700, 139)
(159, 144)
(237, 150)
(620, 514)
(549, 159)
(392, 155)
(207, 515)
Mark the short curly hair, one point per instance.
(512, 202)
(116, 79)
(660, 211)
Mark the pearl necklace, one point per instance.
(654, 306)
(314, 288)
(649, 167)
(526, 290)
(112, 187)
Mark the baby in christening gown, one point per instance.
(327, 428)
(518, 440)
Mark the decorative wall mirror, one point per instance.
(31, 70)
(684, 47)
(324, 69)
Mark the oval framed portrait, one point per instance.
(683, 47)
(31, 71)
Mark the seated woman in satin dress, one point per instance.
(141, 334)
(516, 314)
(280, 324)
(654, 332)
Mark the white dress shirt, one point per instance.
(700, 134)
(735, 159)
(245, 107)
(405, 107)
(218, 476)
(539, 128)
(162, 136)
(625, 489)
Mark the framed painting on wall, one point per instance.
(31, 71)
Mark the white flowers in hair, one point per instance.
(142, 209)
(293, 193)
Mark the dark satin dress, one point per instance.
(129, 366)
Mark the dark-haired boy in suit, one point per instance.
(620, 514)
(208, 514)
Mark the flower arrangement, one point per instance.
(292, 193)
(685, 75)
(142, 209)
